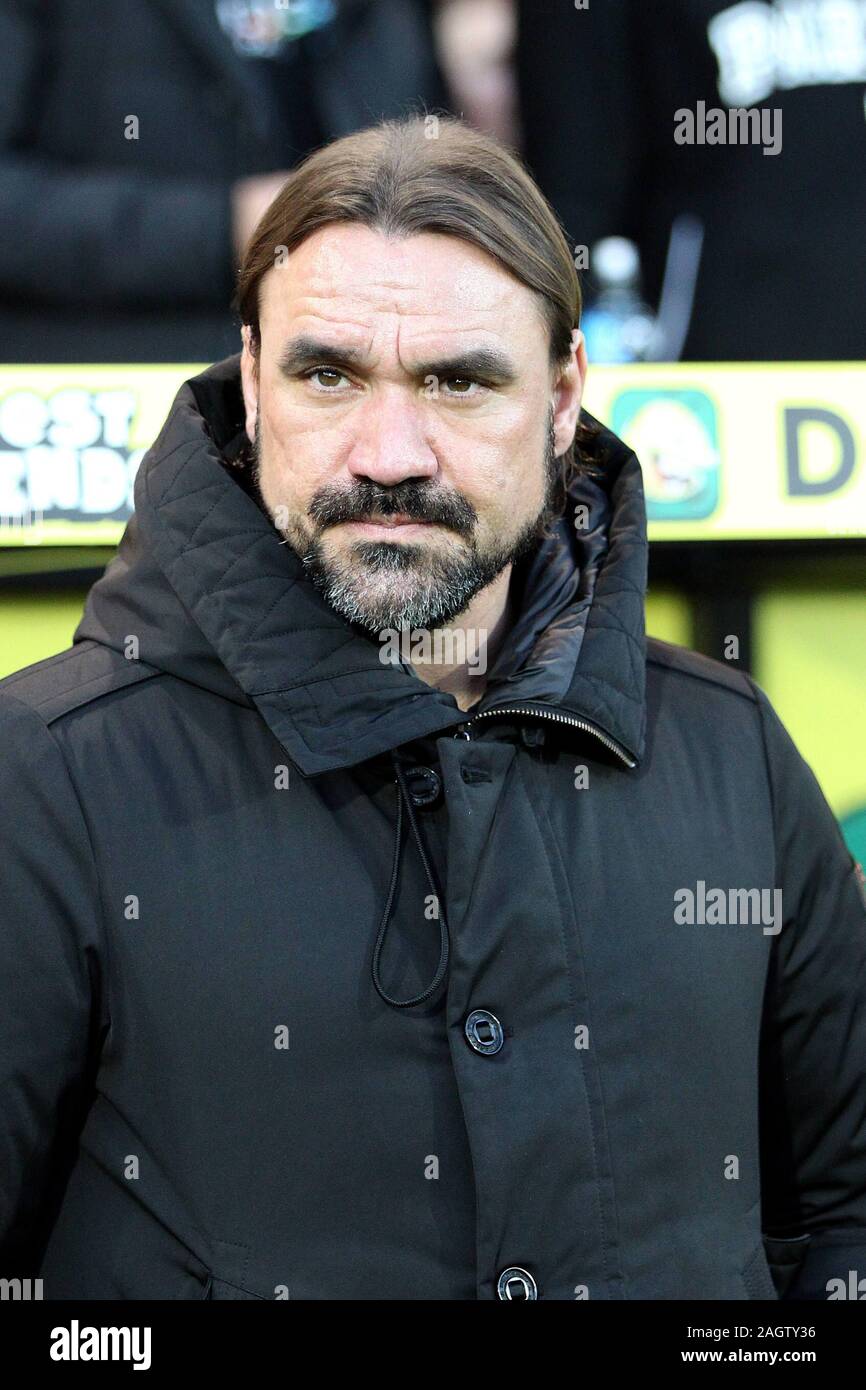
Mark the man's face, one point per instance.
(405, 420)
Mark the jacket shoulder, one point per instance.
(73, 678)
(667, 659)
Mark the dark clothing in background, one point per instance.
(120, 250)
(278, 61)
(781, 273)
(168, 902)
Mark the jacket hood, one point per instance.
(204, 583)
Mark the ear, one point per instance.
(568, 393)
(250, 382)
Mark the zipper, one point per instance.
(464, 730)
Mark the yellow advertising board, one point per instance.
(810, 648)
(743, 451)
(729, 452)
(71, 440)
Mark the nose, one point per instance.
(391, 444)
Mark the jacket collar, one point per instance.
(202, 578)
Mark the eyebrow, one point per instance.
(486, 363)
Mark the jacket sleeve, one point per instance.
(51, 972)
(813, 1043)
(77, 234)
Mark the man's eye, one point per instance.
(462, 382)
(328, 377)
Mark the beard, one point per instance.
(383, 585)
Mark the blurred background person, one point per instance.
(142, 139)
(750, 255)
(475, 40)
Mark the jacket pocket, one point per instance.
(221, 1288)
(757, 1276)
(118, 1238)
(785, 1256)
(208, 1285)
(198, 1283)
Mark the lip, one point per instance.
(389, 529)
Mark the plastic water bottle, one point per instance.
(618, 325)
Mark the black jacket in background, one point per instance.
(200, 825)
(115, 250)
(782, 266)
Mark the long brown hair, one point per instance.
(426, 174)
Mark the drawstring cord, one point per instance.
(403, 795)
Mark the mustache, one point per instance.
(330, 506)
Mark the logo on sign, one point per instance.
(675, 435)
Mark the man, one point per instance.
(339, 964)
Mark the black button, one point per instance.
(516, 1283)
(424, 785)
(484, 1031)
